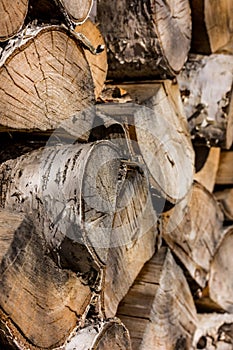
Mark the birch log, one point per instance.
(105, 335)
(92, 199)
(145, 39)
(159, 310)
(206, 87)
(193, 231)
(45, 79)
(212, 26)
(12, 17)
(214, 331)
(156, 130)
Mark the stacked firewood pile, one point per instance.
(116, 180)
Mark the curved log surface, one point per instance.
(145, 39)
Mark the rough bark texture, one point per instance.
(218, 293)
(101, 336)
(206, 85)
(45, 79)
(145, 39)
(225, 170)
(159, 310)
(212, 26)
(214, 332)
(207, 175)
(157, 130)
(96, 214)
(98, 63)
(192, 230)
(12, 17)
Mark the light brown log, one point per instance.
(12, 17)
(207, 175)
(206, 85)
(41, 303)
(225, 197)
(193, 231)
(104, 335)
(91, 199)
(225, 170)
(98, 63)
(214, 332)
(45, 79)
(76, 10)
(159, 311)
(145, 39)
(212, 26)
(157, 130)
(217, 295)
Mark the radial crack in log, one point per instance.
(45, 79)
(12, 17)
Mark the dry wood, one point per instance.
(193, 231)
(218, 294)
(225, 197)
(206, 85)
(145, 39)
(159, 310)
(214, 332)
(45, 79)
(225, 170)
(207, 175)
(158, 131)
(212, 26)
(92, 199)
(76, 10)
(106, 335)
(12, 17)
(98, 63)
(41, 303)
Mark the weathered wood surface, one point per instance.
(41, 303)
(225, 170)
(94, 204)
(214, 332)
(159, 311)
(218, 294)
(212, 26)
(207, 175)
(76, 10)
(193, 231)
(206, 88)
(45, 79)
(145, 39)
(98, 63)
(157, 130)
(105, 335)
(225, 197)
(12, 17)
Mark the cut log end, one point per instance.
(12, 17)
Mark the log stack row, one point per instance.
(115, 211)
